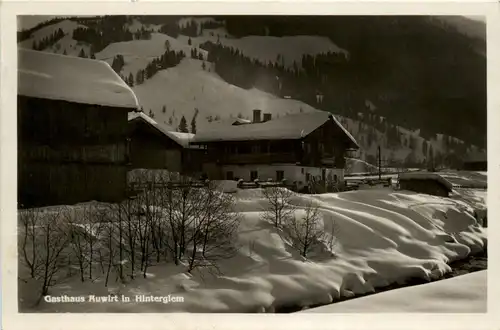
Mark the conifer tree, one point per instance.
(131, 80)
(183, 125)
(82, 54)
(193, 121)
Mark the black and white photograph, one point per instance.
(251, 164)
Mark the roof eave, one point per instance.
(159, 130)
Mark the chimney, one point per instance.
(256, 116)
(267, 117)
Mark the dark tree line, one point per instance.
(106, 31)
(171, 28)
(82, 54)
(118, 63)
(26, 34)
(190, 29)
(142, 34)
(439, 75)
(196, 55)
(49, 41)
(169, 59)
(303, 83)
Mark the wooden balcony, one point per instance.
(259, 158)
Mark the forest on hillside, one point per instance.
(419, 71)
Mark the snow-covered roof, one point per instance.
(293, 126)
(426, 176)
(239, 121)
(183, 139)
(73, 79)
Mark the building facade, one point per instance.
(72, 130)
(154, 146)
(297, 148)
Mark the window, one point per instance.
(253, 175)
(308, 177)
(229, 175)
(302, 170)
(280, 175)
(335, 178)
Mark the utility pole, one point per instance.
(379, 164)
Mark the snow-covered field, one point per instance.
(382, 237)
(462, 294)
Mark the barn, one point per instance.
(72, 130)
(157, 146)
(298, 148)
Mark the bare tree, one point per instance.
(127, 235)
(307, 232)
(330, 237)
(30, 220)
(94, 219)
(149, 226)
(46, 235)
(279, 209)
(77, 243)
(214, 231)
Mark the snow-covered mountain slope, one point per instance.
(187, 87)
(267, 49)
(263, 48)
(70, 46)
(66, 44)
(138, 53)
(66, 26)
(137, 25)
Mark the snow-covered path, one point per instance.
(461, 294)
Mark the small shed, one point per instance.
(425, 183)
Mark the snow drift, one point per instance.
(462, 294)
(382, 237)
